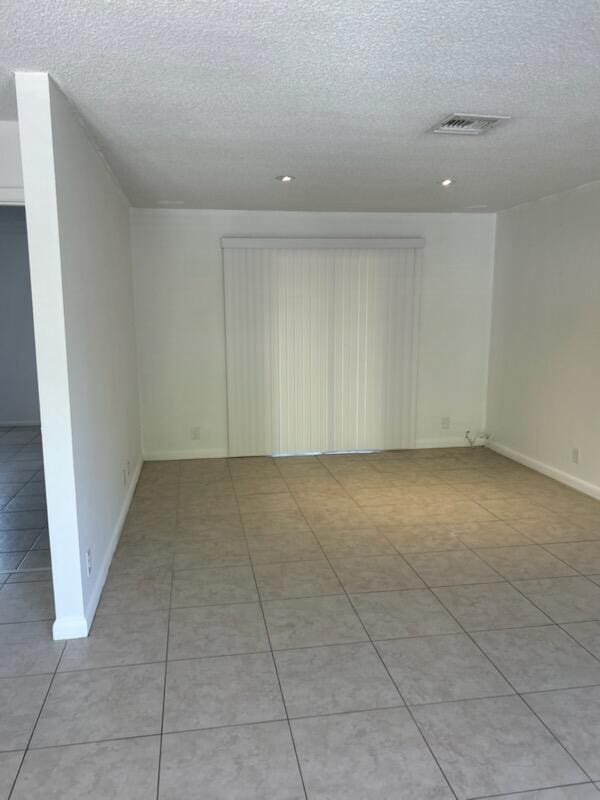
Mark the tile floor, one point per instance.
(24, 553)
(410, 625)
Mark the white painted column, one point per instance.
(35, 125)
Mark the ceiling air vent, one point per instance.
(467, 124)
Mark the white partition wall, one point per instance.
(80, 259)
(321, 344)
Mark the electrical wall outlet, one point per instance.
(445, 423)
(88, 562)
(195, 433)
(575, 455)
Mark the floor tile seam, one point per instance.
(165, 673)
(153, 735)
(387, 539)
(516, 692)
(35, 724)
(384, 665)
(557, 624)
(375, 641)
(18, 621)
(517, 589)
(561, 689)
(547, 545)
(530, 792)
(506, 581)
(489, 659)
(12, 676)
(273, 660)
(511, 582)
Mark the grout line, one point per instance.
(381, 659)
(284, 704)
(519, 694)
(37, 719)
(383, 475)
(165, 673)
(374, 641)
(533, 792)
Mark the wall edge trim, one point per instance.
(546, 469)
(94, 598)
(69, 628)
(452, 441)
(183, 455)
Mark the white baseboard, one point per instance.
(454, 441)
(552, 472)
(179, 455)
(182, 455)
(94, 598)
(70, 628)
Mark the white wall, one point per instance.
(178, 281)
(11, 176)
(18, 381)
(78, 227)
(544, 387)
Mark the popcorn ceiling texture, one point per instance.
(206, 101)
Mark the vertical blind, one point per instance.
(321, 344)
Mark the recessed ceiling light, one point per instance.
(477, 206)
(169, 202)
(285, 178)
(447, 182)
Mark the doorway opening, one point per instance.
(26, 593)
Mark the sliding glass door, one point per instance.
(321, 344)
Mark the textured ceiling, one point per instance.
(206, 101)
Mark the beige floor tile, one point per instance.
(521, 563)
(121, 770)
(333, 679)
(215, 586)
(227, 690)
(490, 606)
(582, 556)
(294, 546)
(354, 543)
(539, 659)
(311, 621)
(456, 567)
(282, 581)
(573, 715)
(375, 574)
(9, 766)
(433, 669)
(29, 658)
(26, 602)
(119, 640)
(495, 745)
(245, 762)
(106, 703)
(136, 592)
(367, 754)
(216, 631)
(391, 615)
(21, 700)
(564, 599)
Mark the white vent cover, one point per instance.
(467, 124)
